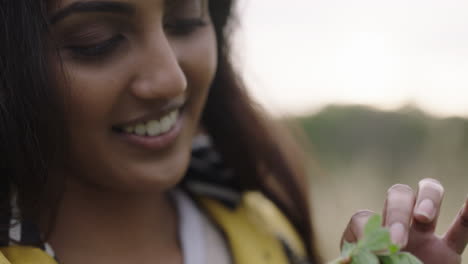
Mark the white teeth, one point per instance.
(166, 124)
(154, 127)
(174, 115)
(140, 129)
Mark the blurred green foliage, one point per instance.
(361, 151)
(339, 134)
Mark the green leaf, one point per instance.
(374, 223)
(392, 249)
(336, 261)
(378, 240)
(364, 257)
(347, 249)
(374, 248)
(389, 259)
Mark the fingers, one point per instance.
(406, 213)
(427, 207)
(355, 229)
(457, 235)
(398, 212)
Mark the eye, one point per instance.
(100, 49)
(184, 26)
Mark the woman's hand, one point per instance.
(412, 219)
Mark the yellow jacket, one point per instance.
(256, 231)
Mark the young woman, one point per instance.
(128, 138)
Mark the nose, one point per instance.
(158, 72)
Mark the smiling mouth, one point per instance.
(151, 128)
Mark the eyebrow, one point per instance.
(174, 3)
(93, 6)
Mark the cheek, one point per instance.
(198, 59)
(92, 93)
(203, 65)
(96, 95)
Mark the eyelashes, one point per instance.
(177, 28)
(97, 50)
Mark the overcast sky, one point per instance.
(299, 55)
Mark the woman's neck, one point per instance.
(93, 226)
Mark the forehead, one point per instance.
(63, 8)
(62, 3)
(155, 3)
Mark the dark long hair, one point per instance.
(262, 155)
(32, 129)
(31, 123)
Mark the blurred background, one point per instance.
(379, 87)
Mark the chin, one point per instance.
(155, 179)
(133, 176)
(154, 175)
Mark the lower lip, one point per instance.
(157, 142)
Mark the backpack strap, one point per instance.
(256, 231)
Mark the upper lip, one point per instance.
(157, 114)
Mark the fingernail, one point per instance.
(398, 234)
(426, 208)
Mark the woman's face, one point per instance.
(137, 74)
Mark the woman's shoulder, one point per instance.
(16, 254)
(254, 227)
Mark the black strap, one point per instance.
(5, 219)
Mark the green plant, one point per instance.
(374, 248)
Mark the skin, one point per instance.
(115, 207)
(412, 221)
